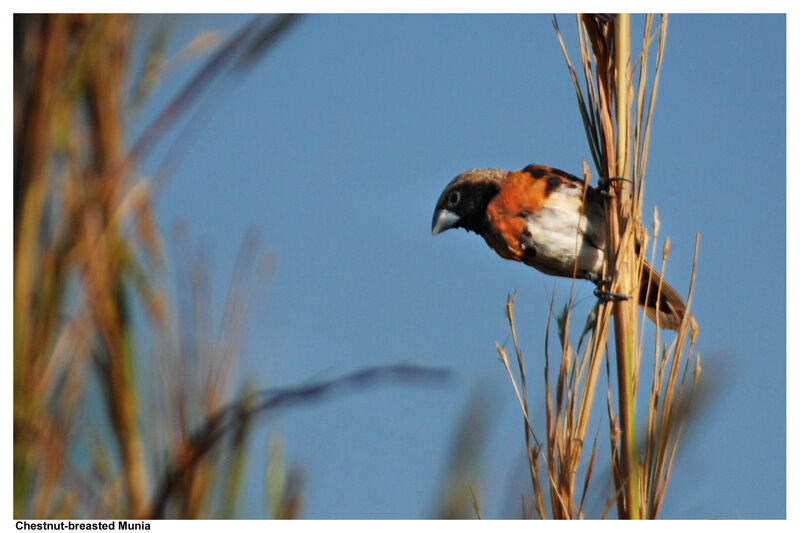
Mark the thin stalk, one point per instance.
(624, 328)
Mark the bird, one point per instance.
(550, 220)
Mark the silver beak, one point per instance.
(443, 220)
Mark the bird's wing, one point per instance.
(553, 176)
(571, 189)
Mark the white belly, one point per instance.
(557, 233)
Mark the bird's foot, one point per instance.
(608, 296)
(600, 292)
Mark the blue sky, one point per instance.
(336, 147)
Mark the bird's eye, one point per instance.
(454, 197)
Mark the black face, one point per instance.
(468, 201)
(453, 199)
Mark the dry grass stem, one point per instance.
(617, 115)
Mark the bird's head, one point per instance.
(463, 202)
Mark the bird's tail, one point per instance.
(665, 309)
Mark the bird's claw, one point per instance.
(600, 292)
(608, 296)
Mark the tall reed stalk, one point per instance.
(618, 142)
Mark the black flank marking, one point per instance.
(528, 252)
(553, 182)
(528, 249)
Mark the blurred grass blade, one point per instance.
(465, 454)
(192, 91)
(230, 417)
(267, 38)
